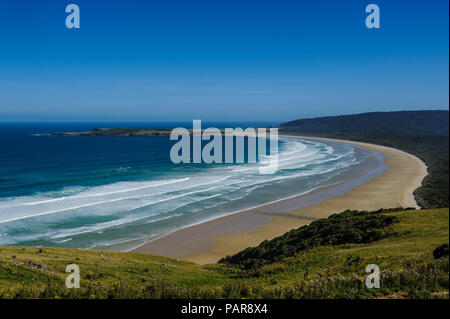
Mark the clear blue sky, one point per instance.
(220, 59)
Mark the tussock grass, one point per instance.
(405, 257)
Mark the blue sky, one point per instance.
(219, 60)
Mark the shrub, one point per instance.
(441, 251)
(348, 227)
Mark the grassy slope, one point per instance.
(415, 236)
(405, 259)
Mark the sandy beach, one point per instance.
(209, 241)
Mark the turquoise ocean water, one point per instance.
(103, 192)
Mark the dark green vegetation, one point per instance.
(421, 133)
(404, 254)
(344, 228)
(404, 122)
(441, 251)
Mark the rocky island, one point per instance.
(119, 132)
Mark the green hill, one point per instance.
(404, 122)
(403, 251)
(349, 227)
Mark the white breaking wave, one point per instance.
(153, 184)
(124, 221)
(108, 201)
(120, 205)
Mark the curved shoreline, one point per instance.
(209, 241)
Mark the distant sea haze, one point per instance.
(118, 192)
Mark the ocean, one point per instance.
(119, 192)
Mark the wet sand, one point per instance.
(384, 186)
